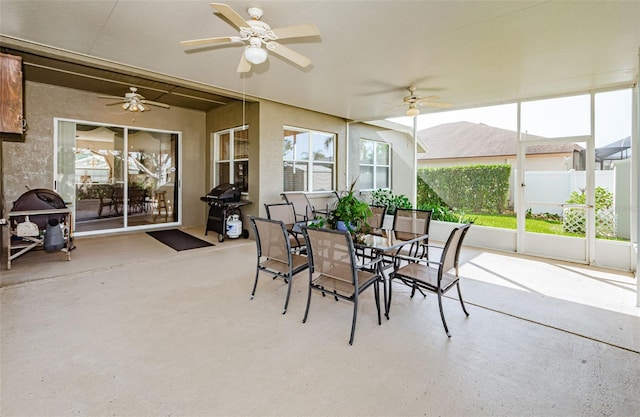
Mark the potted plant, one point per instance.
(350, 213)
(383, 197)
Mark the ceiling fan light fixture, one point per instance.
(255, 54)
(413, 111)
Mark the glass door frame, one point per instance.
(67, 190)
(525, 245)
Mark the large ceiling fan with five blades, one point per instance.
(259, 37)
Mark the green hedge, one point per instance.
(473, 188)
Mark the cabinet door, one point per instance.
(11, 117)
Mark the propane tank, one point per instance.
(234, 226)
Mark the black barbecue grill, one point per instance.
(224, 201)
(39, 199)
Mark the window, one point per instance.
(231, 156)
(375, 165)
(309, 161)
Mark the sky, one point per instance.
(559, 117)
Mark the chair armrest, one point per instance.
(369, 265)
(428, 245)
(399, 258)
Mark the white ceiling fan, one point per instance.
(259, 37)
(134, 102)
(414, 101)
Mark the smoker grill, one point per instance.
(39, 199)
(224, 201)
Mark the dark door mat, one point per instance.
(179, 240)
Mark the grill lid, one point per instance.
(39, 199)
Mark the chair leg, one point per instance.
(286, 301)
(255, 284)
(376, 293)
(353, 323)
(461, 301)
(306, 311)
(384, 293)
(387, 301)
(444, 322)
(413, 290)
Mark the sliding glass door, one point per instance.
(117, 177)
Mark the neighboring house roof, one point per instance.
(468, 140)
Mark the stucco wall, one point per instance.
(30, 164)
(402, 160)
(229, 117)
(273, 117)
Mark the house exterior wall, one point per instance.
(402, 158)
(539, 162)
(30, 163)
(229, 117)
(273, 118)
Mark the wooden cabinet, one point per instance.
(11, 97)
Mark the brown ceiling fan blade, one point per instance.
(116, 103)
(244, 65)
(289, 54)
(232, 16)
(297, 31)
(210, 41)
(155, 103)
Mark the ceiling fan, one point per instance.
(413, 101)
(134, 102)
(257, 34)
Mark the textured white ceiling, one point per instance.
(467, 52)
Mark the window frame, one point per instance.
(309, 162)
(231, 161)
(375, 165)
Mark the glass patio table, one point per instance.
(381, 241)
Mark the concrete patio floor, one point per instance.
(130, 327)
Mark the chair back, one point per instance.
(303, 208)
(376, 219)
(271, 239)
(283, 212)
(331, 253)
(412, 220)
(451, 251)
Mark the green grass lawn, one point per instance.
(553, 227)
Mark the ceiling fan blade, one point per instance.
(209, 41)
(231, 15)
(155, 103)
(297, 31)
(244, 65)
(427, 99)
(289, 54)
(434, 104)
(112, 97)
(117, 102)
